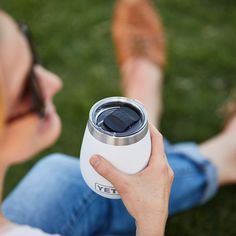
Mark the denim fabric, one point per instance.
(54, 197)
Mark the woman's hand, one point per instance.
(145, 194)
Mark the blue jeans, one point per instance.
(54, 197)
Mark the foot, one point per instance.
(138, 32)
(139, 41)
(221, 150)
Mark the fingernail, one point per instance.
(95, 160)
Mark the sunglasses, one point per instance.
(32, 87)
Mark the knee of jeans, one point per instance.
(56, 160)
(55, 165)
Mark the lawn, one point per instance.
(73, 39)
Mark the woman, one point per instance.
(57, 200)
(29, 123)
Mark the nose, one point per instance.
(50, 82)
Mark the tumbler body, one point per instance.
(128, 153)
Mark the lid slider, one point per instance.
(121, 119)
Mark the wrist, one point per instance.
(150, 228)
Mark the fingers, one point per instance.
(158, 156)
(157, 152)
(108, 171)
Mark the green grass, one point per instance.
(74, 40)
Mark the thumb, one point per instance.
(107, 170)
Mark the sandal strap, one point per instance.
(138, 32)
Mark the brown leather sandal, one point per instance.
(138, 32)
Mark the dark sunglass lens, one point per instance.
(25, 30)
(33, 86)
(37, 96)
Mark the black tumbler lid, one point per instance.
(121, 119)
(118, 121)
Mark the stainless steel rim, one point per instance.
(107, 138)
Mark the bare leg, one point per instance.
(139, 41)
(140, 47)
(142, 80)
(221, 151)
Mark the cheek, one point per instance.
(14, 81)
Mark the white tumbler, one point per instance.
(118, 130)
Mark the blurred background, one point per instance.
(74, 40)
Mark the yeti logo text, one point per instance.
(106, 189)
